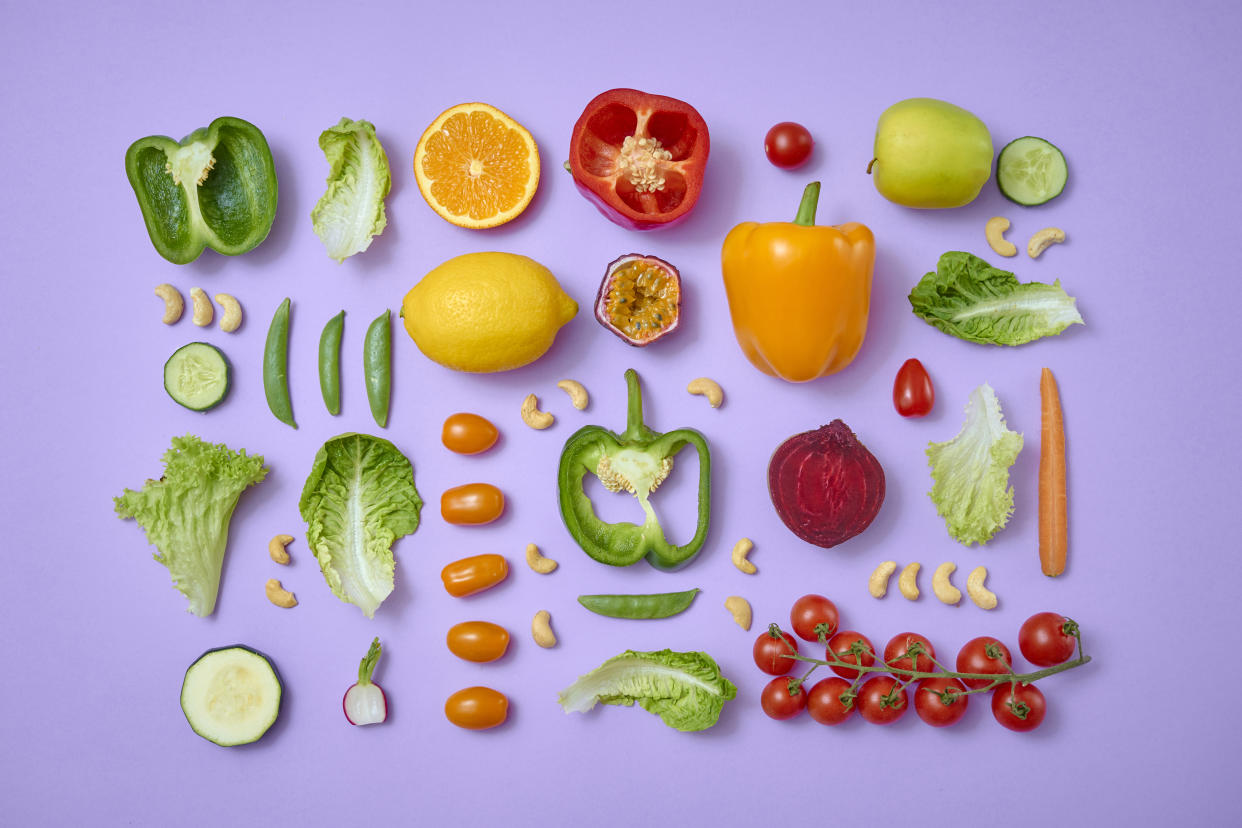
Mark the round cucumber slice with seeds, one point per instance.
(1031, 171)
(231, 695)
(197, 376)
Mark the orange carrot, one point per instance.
(1053, 536)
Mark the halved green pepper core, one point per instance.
(215, 188)
(637, 460)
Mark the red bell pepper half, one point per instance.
(639, 158)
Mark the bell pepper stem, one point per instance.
(635, 429)
(806, 210)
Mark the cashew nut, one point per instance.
(943, 587)
(174, 305)
(577, 393)
(994, 230)
(232, 318)
(203, 311)
(740, 608)
(541, 629)
(276, 548)
(1041, 240)
(536, 561)
(278, 595)
(877, 584)
(532, 416)
(740, 550)
(983, 597)
(907, 582)
(708, 388)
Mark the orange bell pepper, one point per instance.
(799, 294)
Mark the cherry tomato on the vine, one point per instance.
(1019, 707)
(788, 145)
(983, 655)
(824, 702)
(1047, 638)
(896, 654)
(879, 702)
(813, 616)
(930, 696)
(843, 644)
(783, 698)
(771, 652)
(913, 395)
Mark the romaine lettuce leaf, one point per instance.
(971, 472)
(186, 513)
(358, 500)
(968, 298)
(686, 690)
(351, 212)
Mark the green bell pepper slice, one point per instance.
(214, 188)
(637, 460)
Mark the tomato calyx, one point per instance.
(823, 632)
(639, 157)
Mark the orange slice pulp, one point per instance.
(476, 166)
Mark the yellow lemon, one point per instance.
(485, 312)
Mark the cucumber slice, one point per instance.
(231, 695)
(197, 376)
(1031, 171)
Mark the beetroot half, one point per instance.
(825, 485)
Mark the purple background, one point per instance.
(95, 640)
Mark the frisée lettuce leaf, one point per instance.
(186, 513)
(351, 211)
(968, 298)
(686, 690)
(357, 501)
(971, 472)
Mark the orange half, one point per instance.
(476, 166)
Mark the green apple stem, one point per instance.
(806, 210)
(869, 165)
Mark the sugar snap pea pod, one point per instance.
(655, 605)
(276, 366)
(377, 367)
(330, 362)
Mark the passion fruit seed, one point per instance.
(641, 159)
(642, 299)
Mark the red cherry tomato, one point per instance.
(983, 655)
(1019, 707)
(930, 697)
(843, 644)
(782, 699)
(824, 701)
(913, 395)
(896, 654)
(880, 702)
(814, 616)
(1047, 638)
(771, 652)
(788, 145)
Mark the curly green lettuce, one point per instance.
(686, 690)
(186, 513)
(971, 472)
(351, 211)
(358, 500)
(968, 298)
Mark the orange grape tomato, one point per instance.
(478, 641)
(477, 708)
(468, 433)
(474, 574)
(472, 504)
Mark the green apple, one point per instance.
(930, 154)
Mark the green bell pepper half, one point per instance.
(637, 460)
(215, 188)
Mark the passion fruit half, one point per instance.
(639, 299)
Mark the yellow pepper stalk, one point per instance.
(799, 294)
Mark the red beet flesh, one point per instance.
(825, 485)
